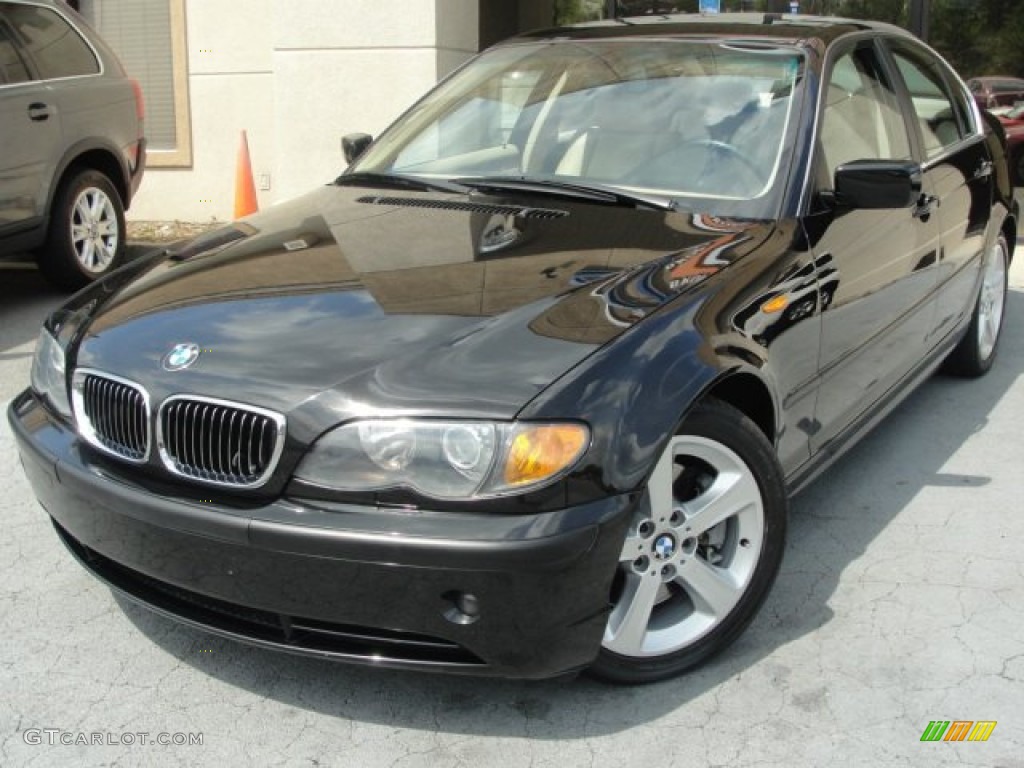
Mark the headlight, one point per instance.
(444, 459)
(48, 374)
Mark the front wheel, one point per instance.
(87, 231)
(701, 553)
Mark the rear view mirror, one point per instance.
(354, 144)
(878, 184)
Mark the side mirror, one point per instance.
(354, 145)
(878, 184)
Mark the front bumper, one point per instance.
(353, 583)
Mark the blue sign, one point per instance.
(710, 6)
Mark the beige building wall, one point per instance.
(297, 75)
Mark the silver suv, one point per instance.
(73, 149)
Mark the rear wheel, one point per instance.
(702, 552)
(86, 239)
(976, 352)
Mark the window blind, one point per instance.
(140, 32)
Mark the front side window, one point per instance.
(54, 46)
(943, 117)
(861, 119)
(697, 121)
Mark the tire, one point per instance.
(87, 232)
(974, 355)
(702, 553)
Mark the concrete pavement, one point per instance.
(900, 602)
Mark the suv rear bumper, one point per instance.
(136, 171)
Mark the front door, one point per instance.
(878, 300)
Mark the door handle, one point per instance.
(984, 170)
(925, 205)
(38, 112)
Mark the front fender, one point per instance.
(633, 393)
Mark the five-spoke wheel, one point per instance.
(702, 551)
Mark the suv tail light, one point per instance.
(140, 103)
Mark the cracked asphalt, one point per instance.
(900, 601)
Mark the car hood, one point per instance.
(354, 300)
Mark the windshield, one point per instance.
(701, 123)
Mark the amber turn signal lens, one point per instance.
(777, 304)
(538, 452)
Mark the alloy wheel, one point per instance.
(690, 555)
(991, 301)
(94, 230)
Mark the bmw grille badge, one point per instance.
(180, 357)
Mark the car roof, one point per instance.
(48, 3)
(770, 27)
(998, 79)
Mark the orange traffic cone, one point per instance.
(245, 187)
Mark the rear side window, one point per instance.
(942, 114)
(54, 46)
(12, 68)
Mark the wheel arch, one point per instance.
(1009, 230)
(749, 394)
(1004, 222)
(98, 156)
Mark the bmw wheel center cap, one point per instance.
(180, 357)
(664, 547)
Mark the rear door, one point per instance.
(878, 306)
(30, 131)
(957, 158)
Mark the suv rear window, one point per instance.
(54, 46)
(12, 68)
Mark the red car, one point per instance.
(1013, 122)
(992, 92)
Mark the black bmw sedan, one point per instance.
(526, 390)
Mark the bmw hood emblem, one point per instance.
(180, 357)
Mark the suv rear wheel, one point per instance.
(87, 231)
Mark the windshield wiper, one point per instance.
(600, 193)
(375, 179)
